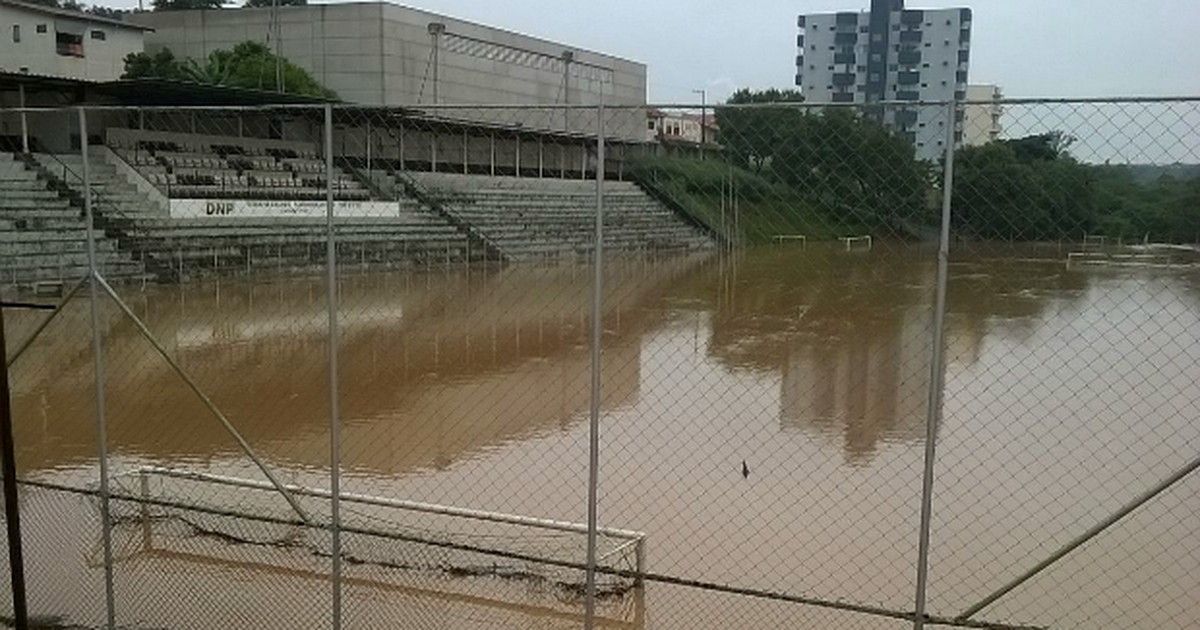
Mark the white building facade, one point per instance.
(982, 115)
(680, 127)
(890, 53)
(53, 42)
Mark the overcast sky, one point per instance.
(1030, 47)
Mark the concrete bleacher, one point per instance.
(184, 167)
(217, 167)
(43, 238)
(530, 219)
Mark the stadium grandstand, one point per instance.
(191, 180)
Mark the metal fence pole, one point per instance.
(98, 357)
(936, 381)
(12, 512)
(331, 296)
(594, 415)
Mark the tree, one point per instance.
(1024, 189)
(846, 163)
(248, 65)
(256, 4)
(747, 96)
(184, 5)
(160, 65)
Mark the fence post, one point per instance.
(98, 358)
(331, 297)
(936, 380)
(12, 512)
(594, 415)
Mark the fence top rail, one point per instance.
(417, 107)
(413, 506)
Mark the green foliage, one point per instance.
(184, 5)
(256, 4)
(248, 65)
(74, 5)
(746, 96)
(160, 65)
(1031, 188)
(849, 165)
(764, 208)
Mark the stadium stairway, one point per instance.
(537, 219)
(43, 234)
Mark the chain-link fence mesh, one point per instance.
(768, 377)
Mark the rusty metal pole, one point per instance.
(12, 513)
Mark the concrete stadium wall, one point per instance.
(378, 54)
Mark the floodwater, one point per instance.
(1067, 391)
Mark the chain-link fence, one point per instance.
(764, 365)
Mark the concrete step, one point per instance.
(34, 224)
(26, 277)
(39, 212)
(55, 247)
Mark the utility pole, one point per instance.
(436, 30)
(703, 117)
(567, 58)
(277, 30)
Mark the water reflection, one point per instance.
(456, 363)
(470, 388)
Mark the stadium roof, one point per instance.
(162, 92)
(153, 92)
(74, 15)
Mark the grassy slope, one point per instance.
(765, 209)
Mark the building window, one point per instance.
(68, 44)
(927, 44)
(41, 28)
(16, 33)
(925, 65)
(926, 85)
(100, 35)
(650, 125)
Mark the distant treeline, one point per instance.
(1033, 189)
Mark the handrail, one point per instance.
(415, 190)
(98, 198)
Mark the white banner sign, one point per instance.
(250, 208)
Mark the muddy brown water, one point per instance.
(1068, 390)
